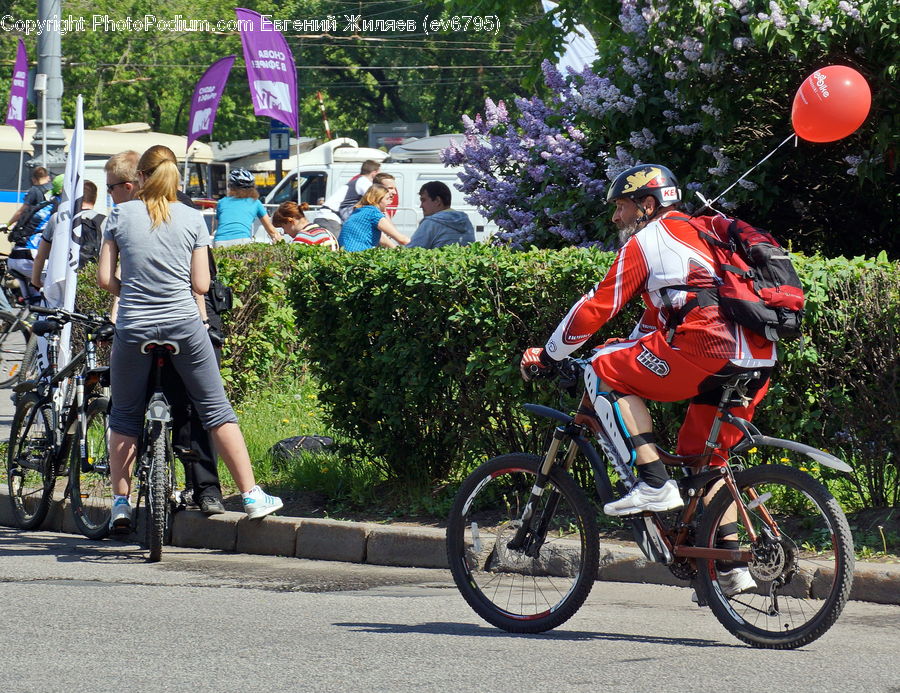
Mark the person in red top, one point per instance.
(682, 347)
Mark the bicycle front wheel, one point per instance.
(90, 487)
(541, 585)
(161, 487)
(30, 368)
(14, 336)
(802, 558)
(30, 469)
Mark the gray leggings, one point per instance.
(196, 364)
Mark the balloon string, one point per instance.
(747, 173)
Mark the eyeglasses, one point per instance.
(111, 186)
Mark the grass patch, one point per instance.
(288, 408)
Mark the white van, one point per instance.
(330, 165)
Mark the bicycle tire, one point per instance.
(90, 487)
(30, 367)
(508, 589)
(14, 336)
(161, 483)
(817, 576)
(30, 471)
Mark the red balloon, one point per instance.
(830, 104)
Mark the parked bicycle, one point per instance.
(59, 428)
(16, 347)
(523, 545)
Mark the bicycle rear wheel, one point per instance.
(90, 487)
(161, 486)
(30, 468)
(14, 336)
(514, 591)
(803, 574)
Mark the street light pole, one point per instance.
(50, 131)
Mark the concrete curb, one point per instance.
(405, 546)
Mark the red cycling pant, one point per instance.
(652, 369)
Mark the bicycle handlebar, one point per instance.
(63, 315)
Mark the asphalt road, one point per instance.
(82, 616)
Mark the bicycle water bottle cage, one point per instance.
(151, 345)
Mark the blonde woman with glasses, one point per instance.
(160, 246)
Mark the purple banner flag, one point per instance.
(205, 101)
(18, 92)
(270, 69)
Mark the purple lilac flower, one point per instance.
(741, 43)
(849, 9)
(642, 139)
(778, 18)
(631, 21)
(747, 184)
(552, 77)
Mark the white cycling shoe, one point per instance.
(733, 582)
(645, 498)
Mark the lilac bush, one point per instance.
(705, 87)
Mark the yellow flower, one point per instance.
(803, 469)
(751, 450)
(786, 459)
(285, 421)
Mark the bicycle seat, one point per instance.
(44, 327)
(152, 345)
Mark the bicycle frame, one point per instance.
(67, 406)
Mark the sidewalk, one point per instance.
(407, 546)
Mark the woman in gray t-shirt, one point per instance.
(159, 246)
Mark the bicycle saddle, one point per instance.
(151, 345)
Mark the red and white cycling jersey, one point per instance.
(667, 252)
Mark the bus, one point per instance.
(99, 145)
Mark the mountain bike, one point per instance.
(59, 428)
(523, 544)
(16, 347)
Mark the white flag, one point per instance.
(61, 280)
(579, 49)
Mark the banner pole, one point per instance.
(187, 156)
(21, 164)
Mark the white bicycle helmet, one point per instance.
(240, 178)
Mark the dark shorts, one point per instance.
(196, 364)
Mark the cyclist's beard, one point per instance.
(626, 232)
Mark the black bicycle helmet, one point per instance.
(646, 180)
(240, 178)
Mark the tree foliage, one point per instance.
(150, 75)
(704, 87)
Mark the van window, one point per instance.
(312, 189)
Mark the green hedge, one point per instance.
(416, 351)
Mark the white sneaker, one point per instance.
(733, 582)
(120, 518)
(258, 503)
(645, 498)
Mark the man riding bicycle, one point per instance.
(682, 347)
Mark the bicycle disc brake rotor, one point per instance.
(771, 560)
